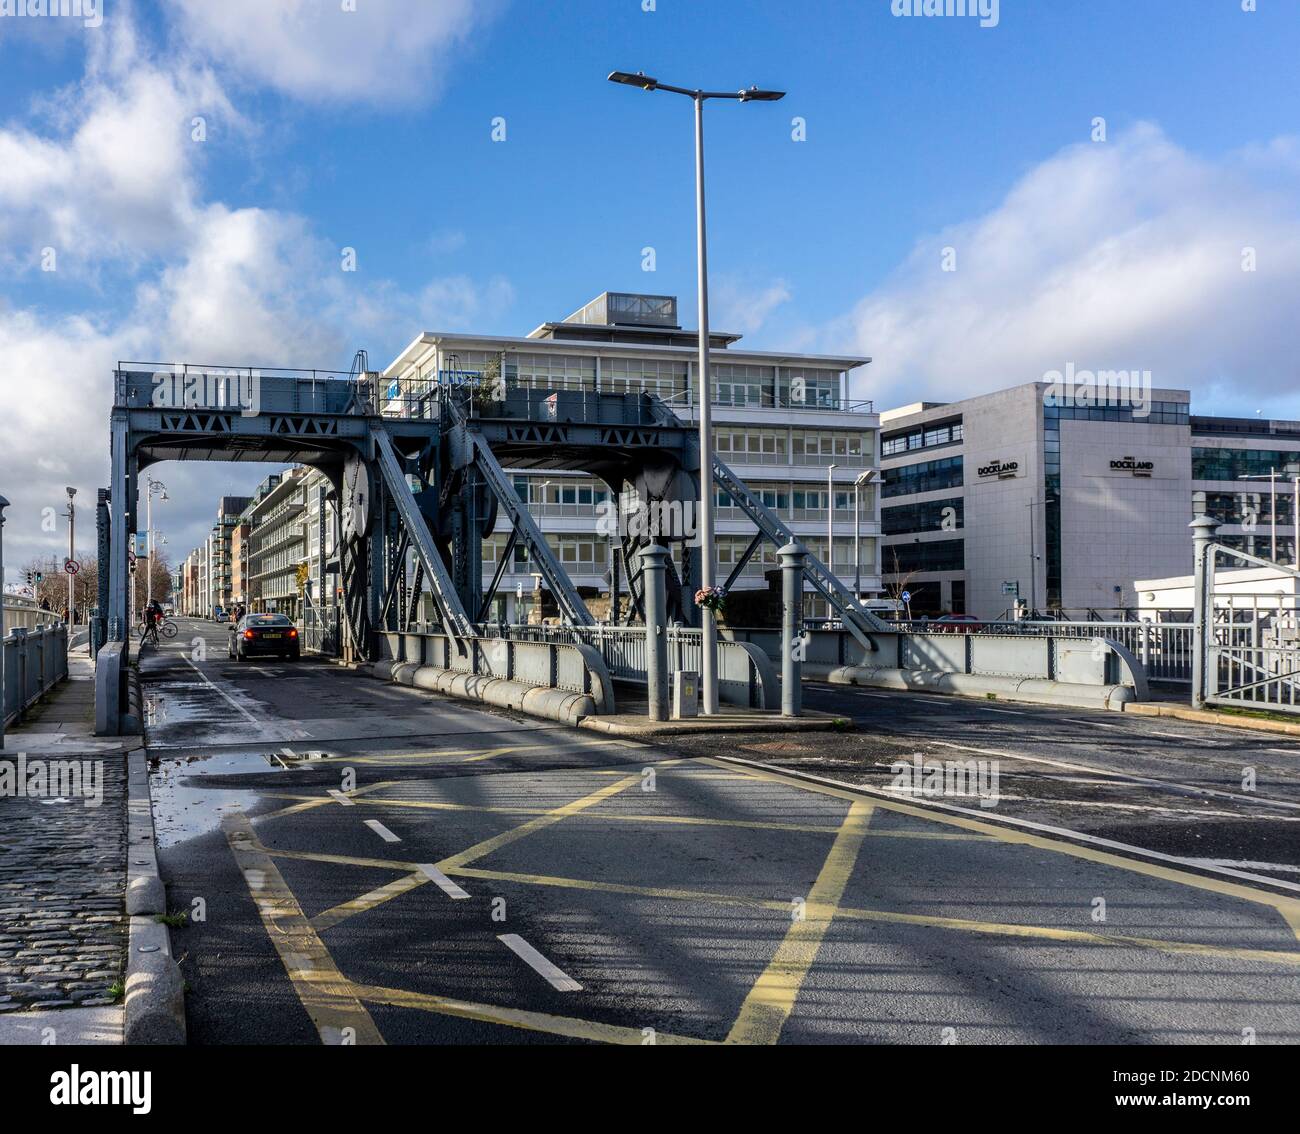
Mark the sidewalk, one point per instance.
(63, 925)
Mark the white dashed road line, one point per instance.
(382, 831)
(531, 957)
(339, 797)
(1279, 866)
(439, 879)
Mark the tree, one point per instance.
(896, 583)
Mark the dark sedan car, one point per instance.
(259, 635)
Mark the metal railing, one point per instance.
(1266, 677)
(746, 676)
(552, 664)
(1250, 634)
(34, 661)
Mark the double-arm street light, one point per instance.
(859, 483)
(72, 555)
(709, 632)
(154, 487)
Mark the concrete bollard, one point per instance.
(656, 630)
(792, 557)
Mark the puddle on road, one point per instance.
(184, 807)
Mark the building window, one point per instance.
(1157, 413)
(1254, 507)
(930, 516)
(922, 437)
(1229, 464)
(925, 476)
(936, 555)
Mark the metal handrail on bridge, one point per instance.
(746, 676)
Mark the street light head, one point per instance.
(640, 79)
(71, 491)
(755, 95)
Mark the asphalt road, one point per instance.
(367, 863)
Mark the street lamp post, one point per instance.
(1272, 507)
(859, 482)
(708, 621)
(1295, 521)
(72, 554)
(830, 518)
(154, 486)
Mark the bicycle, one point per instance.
(168, 629)
(149, 634)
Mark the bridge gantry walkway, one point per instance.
(420, 472)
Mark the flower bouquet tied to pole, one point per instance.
(711, 598)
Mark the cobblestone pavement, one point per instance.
(62, 889)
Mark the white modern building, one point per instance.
(1036, 497)
(784, 422)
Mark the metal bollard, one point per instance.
(656, 630)
(792, 557)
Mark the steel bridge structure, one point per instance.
(417, 482)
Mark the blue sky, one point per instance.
(373, 130)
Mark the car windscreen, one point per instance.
(268, 620)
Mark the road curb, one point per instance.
(1209, 716)
(697, 725)
(155, 993)
(1025, 690)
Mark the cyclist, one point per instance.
(152, 617)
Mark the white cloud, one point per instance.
(321, 51)
(1123, 255)
(113, 175)
(110, 175)
(744, 306)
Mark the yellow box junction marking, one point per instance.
(1288, 908)
(771, 1000)
(325, 993)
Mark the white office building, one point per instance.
(1034, 496)
(781, 421)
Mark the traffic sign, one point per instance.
(71, 566)
(906, 596)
